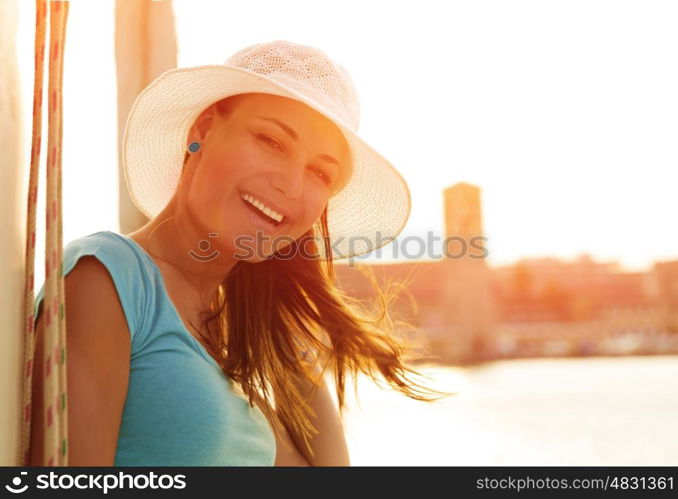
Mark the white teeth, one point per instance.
(255, 202)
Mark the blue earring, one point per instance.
(194, 147)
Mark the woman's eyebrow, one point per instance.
(282, 125)
(294, 135)
(329, 159)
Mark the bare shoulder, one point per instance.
(98, 356)
(92, 292)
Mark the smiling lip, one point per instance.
(270, 204)
(261, 222)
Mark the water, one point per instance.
(591, 412)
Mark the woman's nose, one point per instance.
(289, 181)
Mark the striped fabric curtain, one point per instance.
(54, 355)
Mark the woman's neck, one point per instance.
(174, 246)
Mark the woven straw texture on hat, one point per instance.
(367, 213)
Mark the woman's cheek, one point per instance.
(243, 161)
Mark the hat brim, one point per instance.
(367, 213)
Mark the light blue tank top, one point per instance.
(181, 409)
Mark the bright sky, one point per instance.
(564, 113)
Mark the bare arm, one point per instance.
(286, 452)
(98, 354)
(329, 444)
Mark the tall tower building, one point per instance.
(666, 274)
(466, 288)
(462, 210)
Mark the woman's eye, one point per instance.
(270, 142)
(321, 174)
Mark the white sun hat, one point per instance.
(368, 212)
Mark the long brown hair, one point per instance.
(275, 320)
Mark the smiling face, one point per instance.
(261, 151)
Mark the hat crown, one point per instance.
(306, 70)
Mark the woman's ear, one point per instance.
(202, 125)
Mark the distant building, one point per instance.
(666, 274)
(461, 311)
(450, 297)
(464, 274)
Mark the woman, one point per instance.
(254, 180)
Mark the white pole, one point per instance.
(13, 181)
